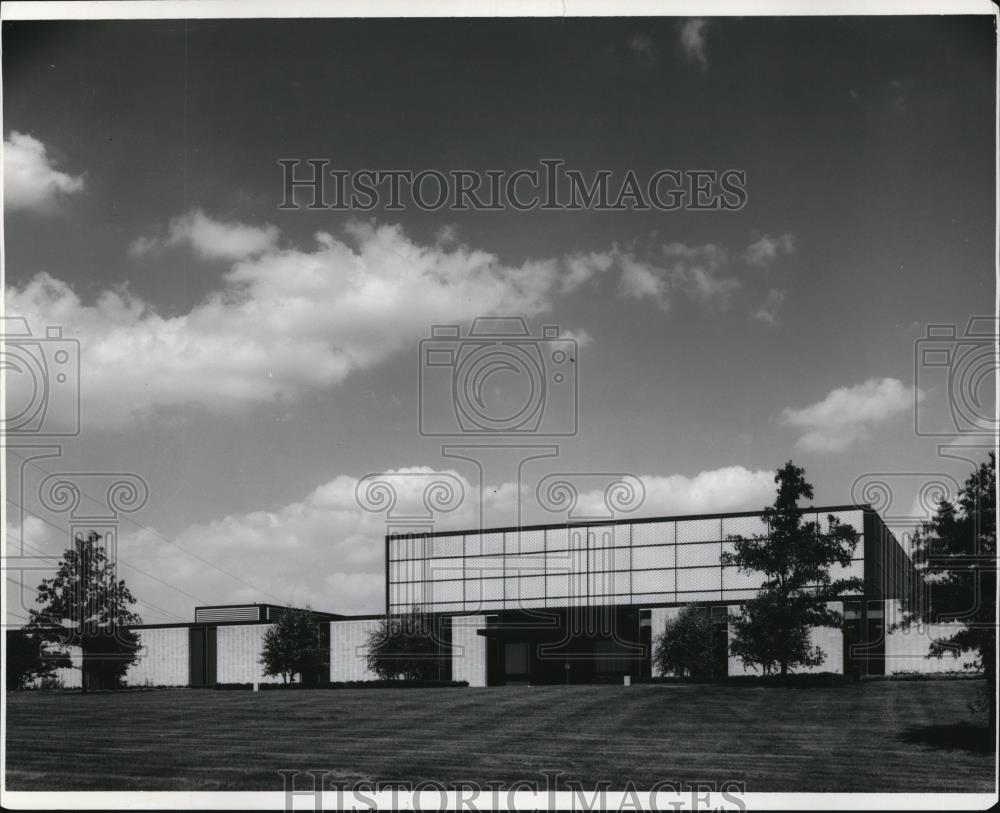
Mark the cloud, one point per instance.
(581, 337)
(447, 235)
(847, 413)
(326, 550)
(768, 249)
(580, 268)
(640, 44)
(768, 312)
(639, 280)
(693, 41)
(287, 321)
(31, 181)
(210, 239)
(643, 48)
(284, 322)
(732, 488)
(710, 255)
(691, 270)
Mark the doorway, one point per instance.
(516, 662)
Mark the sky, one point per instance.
(250, 365)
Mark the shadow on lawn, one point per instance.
(978, 739)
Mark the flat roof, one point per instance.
(631, 521)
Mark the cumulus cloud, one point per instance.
(693, 41)
(768, 249)
(846, 414)
(31, 180)
(732, 488)
(768, 312)
(283, 323)
(289, 320)
(210, 239)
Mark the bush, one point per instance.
(406, 647)
(51, 683)
(792, 681)
(686, 646)
(348, 684)
(293, 647)
(957, 675)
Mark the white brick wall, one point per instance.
(906, 649)
(238, 654)
(163, 658)
(348, 650)
(71, 678)
(829, 639)
(468, 659)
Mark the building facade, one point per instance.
(565, 603)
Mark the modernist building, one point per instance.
(566, 603)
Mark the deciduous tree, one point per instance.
(404, 646)
(293, 646)
(86, 605)
(686, 645)
(27, 660)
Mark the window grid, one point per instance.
(595, 563)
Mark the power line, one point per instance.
(144, 603)
(201, 559)
(118, 559)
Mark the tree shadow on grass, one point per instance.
(976, 738)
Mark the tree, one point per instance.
(795, 557)
(292, 646)
(404, 646)
(86, 605)
(27, 659)
(768, 631)
(955, 553)
(686, 645)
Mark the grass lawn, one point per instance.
(887, 736)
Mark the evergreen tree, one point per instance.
(795, 557)
(955, 553)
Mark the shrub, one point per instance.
(685, 647)
(405, 647)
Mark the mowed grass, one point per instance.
(886, 736)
